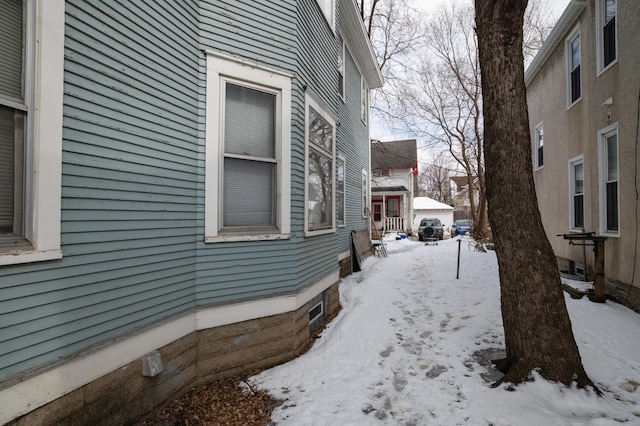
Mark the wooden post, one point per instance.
(598, 279)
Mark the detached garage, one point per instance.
(425, 207)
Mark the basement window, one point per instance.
(317, 312)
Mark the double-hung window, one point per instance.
(606, 33)
(365, 193)
(609, 180)
(364, 101)
(576, 195)
(320, 169)
(539, 146)
(341, 71)
(247, 184)
(31, 93)
(340, 191)
(574, 80)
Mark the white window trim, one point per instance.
(313, 103)
(568, 58)
(579, 159)
(43, 188)
(536, 145)
(602, 179)
(600, 15)
(344, 192)
(218, 67)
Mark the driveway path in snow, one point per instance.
(411, 347)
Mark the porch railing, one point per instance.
(394, 224)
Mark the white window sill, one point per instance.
(246, 237)
(319, 232)
(610, 234)
(18, 257)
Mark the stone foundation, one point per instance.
(124, 396)
(622, 293)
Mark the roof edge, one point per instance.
(352, 27)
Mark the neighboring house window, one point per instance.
(320, 154)
(31, 99)
(364, 101)
(247, 183)
(341, 69)
(365, 192)
(609, 180)
(328, 8)
(380, 172)
(340, 200)
(539, 146)
(576, 188)
(392, 207)
(606, 33)
(574, 80)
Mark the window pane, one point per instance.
(392, 206)
(578, 178)
(248, 193)
(609, 10)
(612, 206)
(320, 198)
(7, 170)
(578, 211)
(249, 125)
(612, 158)
(340, 191)
(575, 53)
(320, 132)
(575, 84)
(609, 37)
(11, 49)
(540, 156)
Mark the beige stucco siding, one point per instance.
(573, 131)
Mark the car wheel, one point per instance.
(420, 238)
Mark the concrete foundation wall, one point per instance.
(124, 396)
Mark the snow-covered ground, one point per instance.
(411, 344)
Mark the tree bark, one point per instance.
(537, 327)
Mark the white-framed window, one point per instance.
(320, 168)
(609, 181)
(364, 101)
(573, 57)
(576, 193)
(340, 190)
(328, 8)
(380, 172)
(365, 192)
(538, 152)
(341, 71)
(31, 99)
(606, 34)
(248, 144)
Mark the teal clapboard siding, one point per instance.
(262, 32)
(353, 141)
(317, 72)
(130, 178)
(133, 174)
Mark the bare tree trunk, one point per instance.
(536, 323)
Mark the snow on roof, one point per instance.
(426, 203)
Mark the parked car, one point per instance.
(461, 227)
(430, 228)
